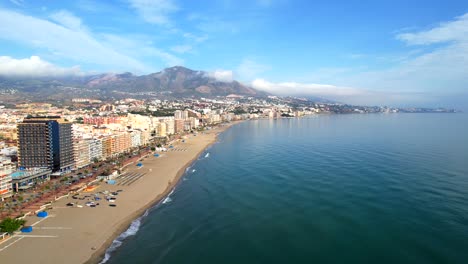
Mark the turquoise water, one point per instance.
(325, 189)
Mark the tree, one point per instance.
(10, 225)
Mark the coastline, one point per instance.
(83, 235)
(99, 255)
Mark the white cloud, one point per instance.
(74, 43)
(195, 38)
(17, 2)
(154, 11)
(337, 93)
(437, 69)
(249, 69)
(182, 48)
(294, 88)
(221, 75)
(424, 75)
(456, 30)
(140, 45)
(67, 20)
(34, 67)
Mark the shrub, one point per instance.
(10, 225)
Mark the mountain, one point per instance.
(174, 82)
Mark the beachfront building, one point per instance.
(81, 149)
(24, 179)
(45, 142)
(170, 126)
(178, 114)
(179, 125)
(106, 147)
(161, 130)
(6, 168)
(135, 138)
(95, 149)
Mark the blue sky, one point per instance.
(365, 52)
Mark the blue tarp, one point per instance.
(111, 182)
(139, 164)
(156, 155)
(42, 214)
(26, 229)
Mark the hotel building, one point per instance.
(45, 142)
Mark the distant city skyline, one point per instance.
(392, 53)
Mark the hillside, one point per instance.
(174, 82)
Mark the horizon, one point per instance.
(394, 53)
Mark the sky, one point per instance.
(397, 53)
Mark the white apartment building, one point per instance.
(95, 149)
(135, 138)
(6, 168)
(81, 153)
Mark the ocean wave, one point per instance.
(168, 198)
(131, 231)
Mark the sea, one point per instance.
(358, 188)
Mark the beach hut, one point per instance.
(42, 214)
(26, 229)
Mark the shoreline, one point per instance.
(82, 234)
(99, 255)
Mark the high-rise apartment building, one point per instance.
(45, 142)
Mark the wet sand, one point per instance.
(82, 235)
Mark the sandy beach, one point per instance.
(82, 235)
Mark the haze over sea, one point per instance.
(383, 188)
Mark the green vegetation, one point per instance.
(10, 225)
(64, 179)
(163, 112)
(239, 111)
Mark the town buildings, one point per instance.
(45, 143)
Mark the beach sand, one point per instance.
(82, 235)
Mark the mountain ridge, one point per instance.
(175, 82)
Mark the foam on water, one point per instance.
(131, 231)
(168, 197)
